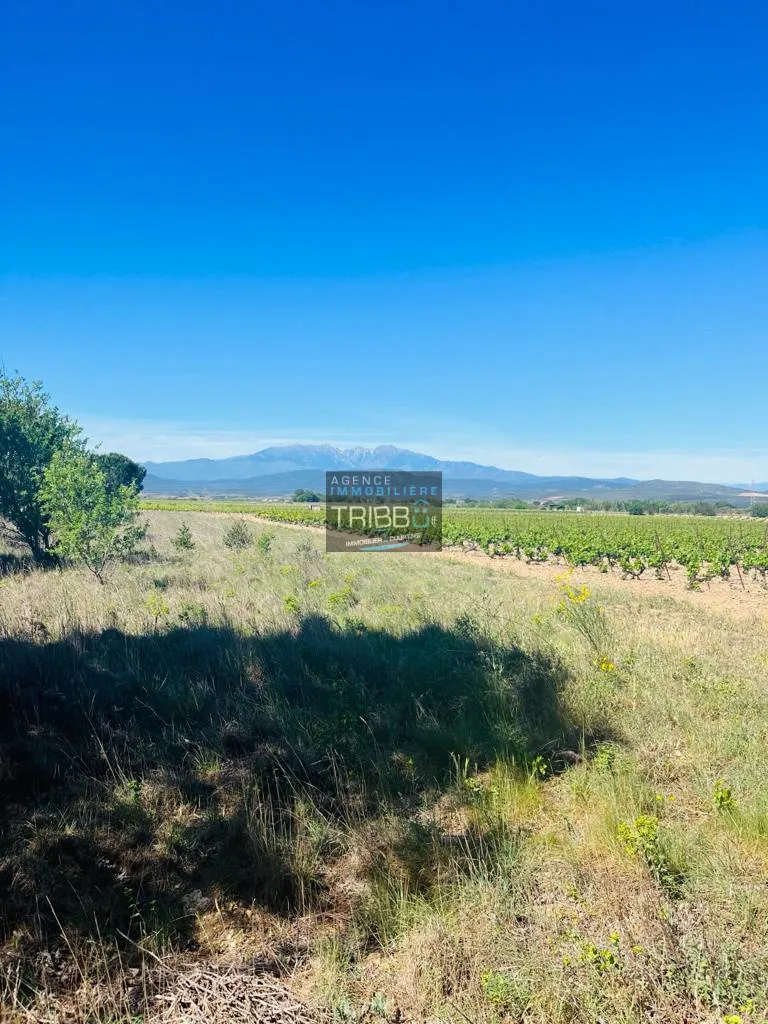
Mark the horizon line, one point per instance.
(159, 441)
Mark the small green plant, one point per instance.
(605, 664)
(207, 762)
(193, 614)
(587, 618)
(605, 757)
(291, 604)
(500, 988)
(129, 792)
(157, 607)
(343, 1010)
(379, 1005)
(538, 769)
(183, 540)
(264, 542)
(237, 536)
(602, 958)
(723, 797)
(474, 784)
(641, 838)
(344, 598)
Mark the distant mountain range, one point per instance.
(280, 470)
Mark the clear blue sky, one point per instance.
(534, 234)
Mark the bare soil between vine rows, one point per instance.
(731, 596)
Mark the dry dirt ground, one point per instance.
(733, 596)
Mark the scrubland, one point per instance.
(408, 787)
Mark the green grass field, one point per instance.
(417, 788)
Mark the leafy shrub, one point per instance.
(344, 598)
(157, 606)
(237, 537)
(641, 838)
(193, 614)
(91, 525)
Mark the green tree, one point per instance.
(183, 540)
(636, 508)
(237, 536)
(302, 494)
(31, 432)
(120, 471)
(91, 524)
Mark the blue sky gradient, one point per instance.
(535, 235)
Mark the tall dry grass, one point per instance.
(410, 786)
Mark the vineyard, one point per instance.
(706, 548)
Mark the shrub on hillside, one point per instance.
(237, 536)
(183, 540)
(90, 525)
(264, 542)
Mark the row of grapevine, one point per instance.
(297, 513)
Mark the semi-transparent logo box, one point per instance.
(383, 510)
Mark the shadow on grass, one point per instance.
(12, 563)
(136, 770)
